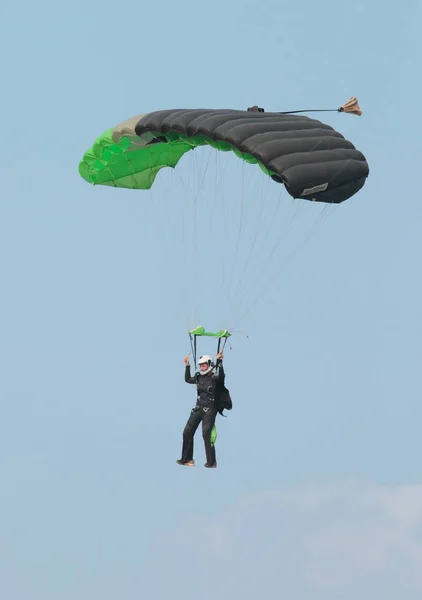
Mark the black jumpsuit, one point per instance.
(205, 411)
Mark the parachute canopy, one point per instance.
(311, 159)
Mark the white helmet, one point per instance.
(205, 360)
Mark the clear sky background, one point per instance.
(318, 489)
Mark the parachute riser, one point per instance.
(193, 345)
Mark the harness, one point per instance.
(209, 398)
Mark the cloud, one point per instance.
(331, 541)
(361, 532)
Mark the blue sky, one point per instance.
(317, 492)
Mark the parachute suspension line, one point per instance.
(266, 236)
(274, 215)
(180, 227)
(323, 216)
(195, 242)
(193, 287)
(155, 209)
(220, 188)
(234, 206)
(220, 204)
(245, 199)
(280, 268)
(250, 253)
(185, 271)
(283, 234)
(199, 191)
(239, 231)
(201, 188)
(164, 213)
(220, 171)
(325, 213)
(193, 190)
(186, 238)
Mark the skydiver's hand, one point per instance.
(186, 361)
(220, 356)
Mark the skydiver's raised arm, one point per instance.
(219, 370)
(188, 377)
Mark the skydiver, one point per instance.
(207, 382)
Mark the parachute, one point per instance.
(309, 159)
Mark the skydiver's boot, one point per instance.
(189, 463)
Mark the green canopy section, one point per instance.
(120, 158)
(200, 331)
(126, 165)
